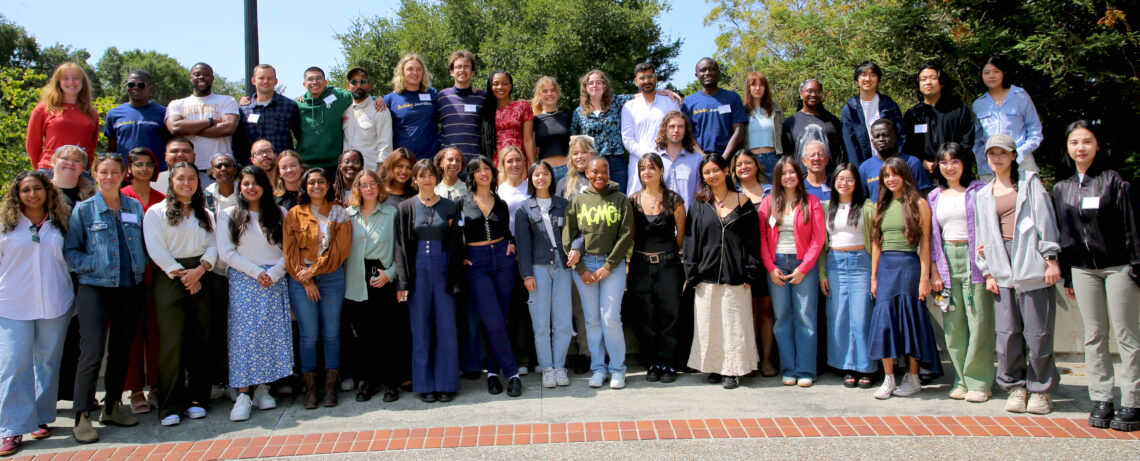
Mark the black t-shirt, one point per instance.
(552, 134)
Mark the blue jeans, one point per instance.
(619, 172)
(849, 311)
(30, 352)
(492, 275)
(435, 342)
(796, 310)
(768, 161)
(559, 173)
(601, 306)
(550, 314)
(319, 320)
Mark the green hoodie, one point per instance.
(322, 131)
(604, 222)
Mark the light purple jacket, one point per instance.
(936, 253)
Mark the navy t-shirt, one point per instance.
(459, 119)
(823, 192)
(713, 116)
(133, 127)
(414, 121)
(869, 171)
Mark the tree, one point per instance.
(17, 48)
(171, 80)
(19, 91)
(517, 36)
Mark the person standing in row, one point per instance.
(514, 119)
(749, 176)
(316, 239)
(260, 338)
(396, 176)
(718, 115)
(106, 253)
(137, 122)
(968, 311)
(812, 122)
(603, 218)
(765, 122)
(35, 307)
(290, 168)
(207, 119)
(322, 132)
(937, 118)
(677, 151)
(581, 151)
(64, 116)
(413, 104)
(1005, 108)
(142, 371)
(722, 262)
(863, 110)
(367, 128)
(1102, 272)
(269, 116)
(452, 162)
(1018, 248)
(551, 126)
(641, 120)
(460, 108)
(885, 139)
(599, 116)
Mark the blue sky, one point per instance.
(217, 37)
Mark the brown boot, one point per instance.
(310, 378)
(332, 384)
(113, 414)
(84, 433)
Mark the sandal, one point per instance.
(849, 381)
(865, 382)
(139, 403)
(768, 371)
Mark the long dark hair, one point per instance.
(174, 213)
(473, 166)
(704, 193)
(488, 140)
(911, 215)
(857, 196)
(1099, 158)
(134, 155)
(953, 150)
(270, 219)
(341, 185)
(779, 205)
(530, 190)
(943, 80)
(303, 197)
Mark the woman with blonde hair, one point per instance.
(581, 151)
(67, 165)
(551, 126)
(64, 116)
(290, 166)
(412, 102)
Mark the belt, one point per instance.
(656, 258)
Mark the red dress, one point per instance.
(143, 368)
(509, 122)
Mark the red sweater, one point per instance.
(809, 237)
(47, 132)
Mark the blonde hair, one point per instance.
(572, 173)
(607, 95)
(398, 84)
(86, 186)
(503, 153)
(279, 185)
(51, 95)
(536, 101)
(356, 199)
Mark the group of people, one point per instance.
(245, 243)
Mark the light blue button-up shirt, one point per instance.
(682, 175)
(1016, 117)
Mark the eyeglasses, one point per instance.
(461, 67)
(368, 185)
(362, 81)
(645, 78)
(219, 166)
(140, 85)
(146, 165)
(264, 153)
(951, 162)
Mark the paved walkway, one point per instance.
(687, 418)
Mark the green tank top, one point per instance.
(894, 229)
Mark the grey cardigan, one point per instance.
(1035, 236)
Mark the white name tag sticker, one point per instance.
(130, 217)
(253, 118)
(1090, 203)
(771, 221)
(467, 107)
(725, 109)
(330, 99)
(1025, 225)
(425, 97)
(920, 128)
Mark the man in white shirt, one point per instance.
(641, 120)
(207, 119)
(366, 128)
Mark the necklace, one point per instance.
(720, 201)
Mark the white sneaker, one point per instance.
(617, 381)
(262, 398)
(1040, 404)
(523, 371)
(910, 386)
(887, 389)
(977, 396)
(1016, 401)
(171, 420)
(347, 384)
(241, 409)
(548, 380)
(804, 382)
(788, 381)
(560, 377)
(597, 379)
(196, 412)
(959, 393)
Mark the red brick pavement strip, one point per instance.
(542, 433)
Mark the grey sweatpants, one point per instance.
(1110, 301)
(1024, 322)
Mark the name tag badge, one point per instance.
(1090, 203)
(460, 220)
(725, 109)
(470, 108)
(771, 221)
(918, 129)
(682, 172)
(1025, 225)
(425, 97)
(253, 118)
(130, 217)
(330, 99)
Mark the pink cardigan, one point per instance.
(809, 237)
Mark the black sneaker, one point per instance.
(668, 374)
(391, 393)
(471, 375)
(428, 397)
(714, 378)
(654, 374)
(446, 396)
(1126, 420)
(1101, 414)
(730, 382)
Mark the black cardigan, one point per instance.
(407, 246)
(723, 252)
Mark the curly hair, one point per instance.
(607, 95)
(174, 213)
(11, 207)
(356, 198)
(911, 199)
(388, 168)
(687, 141)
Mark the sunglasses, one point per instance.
(224, 165)
(140, 85)
(35, 233)
(146, 165)
(362, 81)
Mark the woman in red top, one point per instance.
(140, 173)
(65, 115)
(514, 120)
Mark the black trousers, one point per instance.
(656, 303)
(184, 342)
(98, 307)
(376, 335)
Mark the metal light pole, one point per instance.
(251, 57)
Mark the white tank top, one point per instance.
(843, 234)
(952, 217)
(786, 240)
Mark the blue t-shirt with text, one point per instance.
(414, 121)
(713, 116)
(133, 127)
(869, 171)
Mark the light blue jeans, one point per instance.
(319, 320)
(796, 311)
(601, 306)
(550, 314)
(30, 351)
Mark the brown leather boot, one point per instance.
(310, 378)
(332, 384)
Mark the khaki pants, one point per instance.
(1110, 301)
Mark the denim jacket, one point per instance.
(92, 247)
(532, 242)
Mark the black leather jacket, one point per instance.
(1098, 223)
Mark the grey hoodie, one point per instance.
(1035, 236)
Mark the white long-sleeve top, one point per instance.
(166, 243)
(254, 250)
(369, 131)
(34, 283)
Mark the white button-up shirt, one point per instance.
(640, 123)
(368, 131)
(34, 283)
(165, 243)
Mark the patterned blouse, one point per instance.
(605, 127)
(509, 122)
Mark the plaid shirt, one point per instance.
(275, 122)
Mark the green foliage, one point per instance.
(171, 80)
(521, 37)
(19, 92)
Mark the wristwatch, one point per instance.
(212, 121)
(1050, 257)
